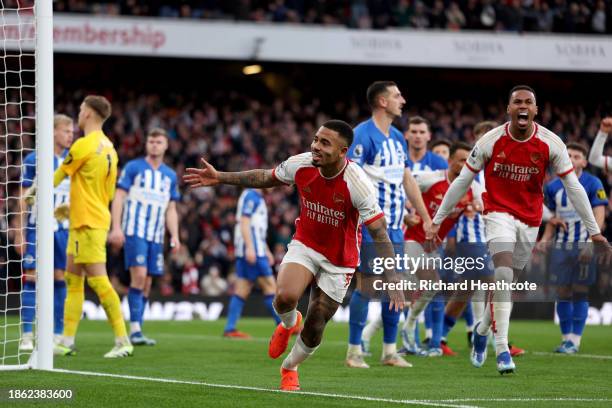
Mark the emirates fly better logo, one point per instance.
(320, 213)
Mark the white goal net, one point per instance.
(21, 133)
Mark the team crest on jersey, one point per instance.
(358, 151)
(68, 159)
(338, 198)
(601, 194)
(535, 157)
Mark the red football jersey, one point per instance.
(331, 209)
(515, 170)
(433, 186)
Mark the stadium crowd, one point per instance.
(559, 16)
(236, 132)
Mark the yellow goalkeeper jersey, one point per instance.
(91, 164)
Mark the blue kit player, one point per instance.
(144, 206)
(380, 149)
(253, 258)
(63, 133)
(571, 269)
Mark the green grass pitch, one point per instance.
(195, 352)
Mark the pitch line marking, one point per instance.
(260, 389)
(524, 400)
(592, 356)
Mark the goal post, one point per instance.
(42, 358)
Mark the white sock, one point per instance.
(135, 327)
(428, 333)
(502, 308)
(371, 328)
(484, 327)
(68, 341)
(574, 338)
(566, 337)
(298, 354)
(288, 319)
(415, 310)
(354, 349)
(389, 349)
(478, 309)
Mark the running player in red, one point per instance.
(335, 198)
(433, 185)
(515, 157)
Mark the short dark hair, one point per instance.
(439, 142)
(521, 88)
(579, 147)
(417, 120)
(459, 146)
(157, 131)
(99, 104)
(483, 127)
(375, 90)
(344, 129)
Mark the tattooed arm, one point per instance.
(209, 176)
(384, 249)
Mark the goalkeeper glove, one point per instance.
(62, 212)
(30, 195)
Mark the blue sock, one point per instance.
(135, 302)
(59, 297)
(468, 315)
(268, 301)
(390, 320)
(449, 323)
(428, 316)
(28, 306)
(437, 320)
(145, 300)
(580, 313)
(233, 313)
(565, 312)
(358, 315)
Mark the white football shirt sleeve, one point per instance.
(426, 179)
(579, 199)
(559, 158)
(363, 196)
(455, 192)
(596, 156)
(286, 171)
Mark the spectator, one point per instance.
(213, 284)
(599, 19)
(455, 17)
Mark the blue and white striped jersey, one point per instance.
(557, 201)
(429, 162)
(383, 159)
(252, 204)
(472, 229)
(149, 192)
(61, 193)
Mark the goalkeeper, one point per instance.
(63, 129)
(91, 164)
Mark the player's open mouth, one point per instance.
(523, 118)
